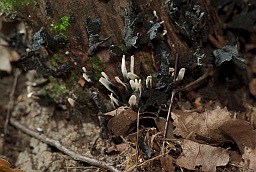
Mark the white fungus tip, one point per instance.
(164, 32)
(71, 102)
(30, 94)
(132, 76)
(181, 74)
(118, 80)
(106, 84)
(105, 75)
(113, 100)
(149, 82)
(132, 83)
(84, 69)
(86, 77)
(132, 101)
(132, 64)
(123, 68)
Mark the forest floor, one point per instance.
(211, 125)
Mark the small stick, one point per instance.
(58, 145)
(167, 122)
(145, 162)
(137, 141)
(198, 80)
(11, 101)
(170, 106)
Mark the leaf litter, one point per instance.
(190, 125)
(195, 154)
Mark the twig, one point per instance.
(167, 121)
(137, 141)
(58, 145)
(201, 78)
(170, 106)
(145, 162)
(11, 101)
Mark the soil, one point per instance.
(32, 155)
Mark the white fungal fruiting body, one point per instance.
(113, 100)
(71, 102)
(132, 101)
(118, 80)
(105, 75)
(181, 74)
(132, 76)
(136, 85)
(123, 68)
(132, 65)
(85, 76)
(149, 82)
(107, 84)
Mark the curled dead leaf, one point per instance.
(195, 154)
(123, 120)
(167, 163)
(241, 132)
(206, 124)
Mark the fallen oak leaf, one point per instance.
(123, 121)
(195, 154)
(167, 163)
(206, 124)
(241, 132)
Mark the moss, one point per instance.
(98, 67)
(54, 89)
(56, 60)
(72, 80)
(122, 47)
(61, 27)
(10, 6)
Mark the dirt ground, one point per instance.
(32, 155)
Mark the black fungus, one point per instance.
(41, 38)
(229, 53)
(130, 35)
(190, 19)
(93, 30)
(144, 147)
(35, 61)
(152, 32)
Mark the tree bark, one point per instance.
(47, 12)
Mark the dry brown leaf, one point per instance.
(160, 122)
(116, 112)
(116, 148)
(5, 64)
(249, 158)
(195, 154)
(241, 132)
(124, 119)
(81, 82)
(167, 163)
(206, 124)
